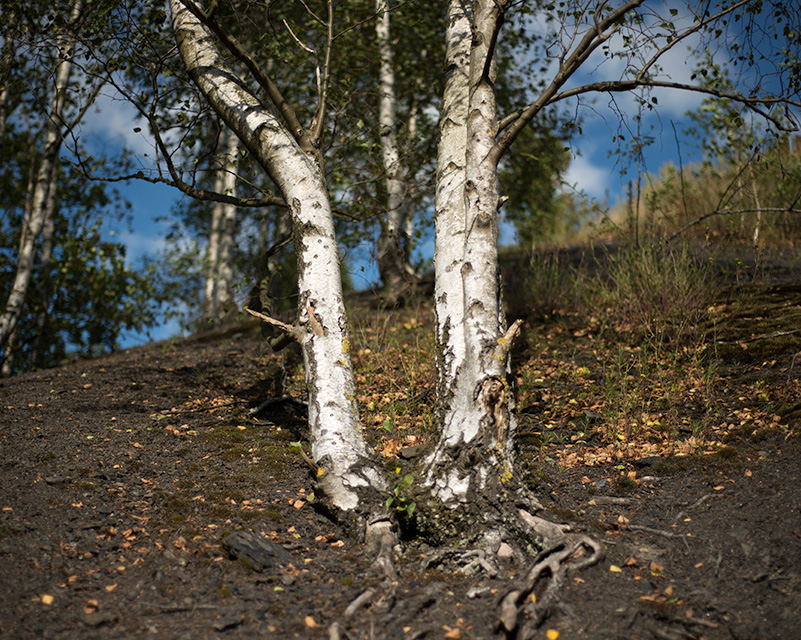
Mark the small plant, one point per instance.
(399, 499)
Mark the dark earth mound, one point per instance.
(123, 478)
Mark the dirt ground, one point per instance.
(122, 476)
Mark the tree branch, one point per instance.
(617, 86)
(316, 130)
(273, 93)
(594, 37)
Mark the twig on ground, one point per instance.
(358, 603)
(174, 412)
(658, 532)
(284, 399)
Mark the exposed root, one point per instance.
(524, 608)
(381, 539)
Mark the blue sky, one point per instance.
(594, 170)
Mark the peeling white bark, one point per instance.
(449, 220)
(475, 447)
(348, 470)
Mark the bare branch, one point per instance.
(322, 83)
(687, 33)
(616, 86)
(595, 37)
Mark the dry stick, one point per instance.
(777, 334)
(358, 603)
(288, 328)
(658, 532)
(286, 398)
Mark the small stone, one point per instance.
(228, 621)
(256, 551)
(505, 551)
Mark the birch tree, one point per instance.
(393, 243)
(348, 471)
(45, 182)
(219, 277)
(468, 485)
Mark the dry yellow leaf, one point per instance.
(309, 622)
(615, 569)
(47, 599)
(552, 634)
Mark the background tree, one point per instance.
(68, 290)
(40, 213)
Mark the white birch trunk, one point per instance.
(449, 208)
(392, 259)
(349, 474)
(472, 462)
(225, 272)
(213, 256)
(32, 231)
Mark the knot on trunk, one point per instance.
(493, 396)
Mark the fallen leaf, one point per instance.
(452, 634)
(111, 587)
(631, 562)
(309, 622)
(47, 599)
(552, 634)
(615, 569)
(669, 591)
(655, 567)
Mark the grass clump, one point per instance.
(658, 293)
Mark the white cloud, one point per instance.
(112, 121)
(589, 178)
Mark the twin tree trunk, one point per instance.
(471, 465)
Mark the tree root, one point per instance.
(381, 539)
(524, 608)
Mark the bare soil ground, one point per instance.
(122, 477)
